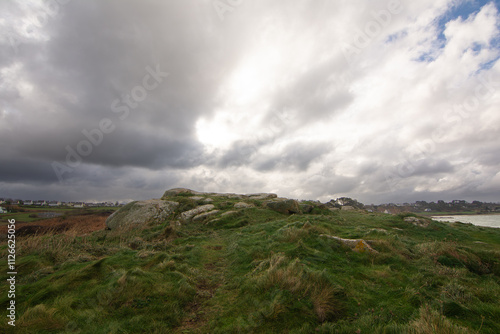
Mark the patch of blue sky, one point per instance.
(462, 9)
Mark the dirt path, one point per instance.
(209, 283)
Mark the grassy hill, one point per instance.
(259, 271)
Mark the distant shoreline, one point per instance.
(459, 213)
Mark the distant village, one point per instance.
(436, 207)
(417, 207)
(6, 202)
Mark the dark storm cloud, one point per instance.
(23, 169)
(431, 166)
(97, 53)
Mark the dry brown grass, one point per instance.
(41, 317)
(78, 224)
(431, 322)
(279, 271)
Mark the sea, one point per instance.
(479, 220)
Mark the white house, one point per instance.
(28, 202)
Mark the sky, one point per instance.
(382, 101)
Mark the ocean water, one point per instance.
(480, 220)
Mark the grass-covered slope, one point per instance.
(259, 271)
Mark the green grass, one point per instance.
(259, 271)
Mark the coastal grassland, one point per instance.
(259, 271)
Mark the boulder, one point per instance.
(186, 216)
(285, 206)
(141, 212)
(242, 205)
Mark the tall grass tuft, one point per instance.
(293, 276)
(431, 321)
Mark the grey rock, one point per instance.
(228, 213)
(141, 212)
(285, 206)
(262, 196)
(417, 221)
(203, 216)
(188, 215)
(243, 205)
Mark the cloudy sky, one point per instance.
(382, 101)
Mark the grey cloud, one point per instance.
(432, 166)
(295, 156)
(317, 94)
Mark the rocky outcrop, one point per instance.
(262, 196)
(285, 206)
(357, 245)
(179, 191)
(187, 216)
(141, 212)
(197, 194)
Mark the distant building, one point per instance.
(28, 202)
(3, 210)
